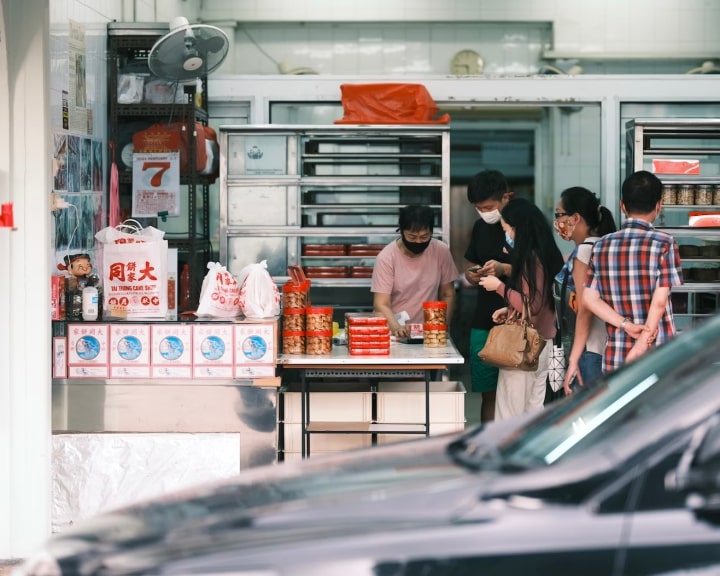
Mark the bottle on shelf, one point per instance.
(90, 303)
(185, 292)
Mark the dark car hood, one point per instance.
(355, 493)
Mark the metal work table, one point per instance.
(404, 360)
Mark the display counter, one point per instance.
(145, 396)
(403, 361)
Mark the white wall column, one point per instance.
(25, 378)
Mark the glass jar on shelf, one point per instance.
(686, 195)
(669, 194)
(704, 195)
(716, 195)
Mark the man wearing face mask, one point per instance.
(631, 273)
(488, 253)
(413, 269)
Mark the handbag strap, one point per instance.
(525, 318)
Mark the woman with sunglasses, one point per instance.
(580, 218)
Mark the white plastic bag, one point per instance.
(259, 295)
(129, 232)
(220, 294)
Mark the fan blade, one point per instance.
(212, 44)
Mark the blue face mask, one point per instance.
(510, 240)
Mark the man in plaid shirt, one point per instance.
(630, 275)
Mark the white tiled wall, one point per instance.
(377, 36)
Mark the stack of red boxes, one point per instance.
(367, 335)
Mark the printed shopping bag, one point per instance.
(134, 271)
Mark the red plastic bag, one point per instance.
(173, 136)
(389, 104)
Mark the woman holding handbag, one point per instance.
(535, 260)
(580, 218)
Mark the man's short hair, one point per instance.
(487, 184)
(641, 192)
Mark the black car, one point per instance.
(621, 479)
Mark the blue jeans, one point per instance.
(590, 366)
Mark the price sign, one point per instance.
(156, 184)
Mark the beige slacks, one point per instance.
(519, 391)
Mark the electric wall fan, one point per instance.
(188, 51)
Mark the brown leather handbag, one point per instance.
(514, 344)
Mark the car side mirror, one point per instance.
(697, 475)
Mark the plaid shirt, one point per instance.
(625, 268)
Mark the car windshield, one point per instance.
(640, 388)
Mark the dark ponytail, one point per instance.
(579, 200)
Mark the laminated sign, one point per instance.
(134, 272)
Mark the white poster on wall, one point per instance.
(77, 57)
(156, 184)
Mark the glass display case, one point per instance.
(326, 198)
(685, 155)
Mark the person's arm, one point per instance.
(591, 298)
(446, 293)
(583, 322)
(655, 314)
(381, 305)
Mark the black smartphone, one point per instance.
(474, 268)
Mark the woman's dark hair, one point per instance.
(416, 217)
(534, 246)
(579, 200)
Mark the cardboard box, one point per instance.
(292, 439)
(60, 359)
(88, 350)
(404, 402)
(346, 402)
(435, 429)
(213, 349)
(256, 344)
(129, 350)
(171, 355)
(57, 297)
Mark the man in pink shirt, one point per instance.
(413, 269)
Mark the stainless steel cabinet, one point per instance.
(685, 154)
(326, 198)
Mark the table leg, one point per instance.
(304, 415)
(427, 402)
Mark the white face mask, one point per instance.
(492, 217)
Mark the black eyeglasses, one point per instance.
(561, 214)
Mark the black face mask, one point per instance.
(415, 247)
